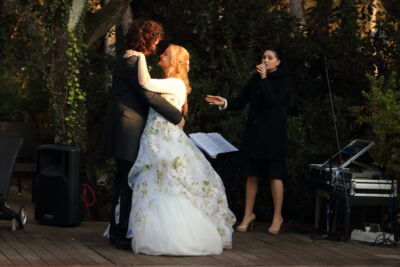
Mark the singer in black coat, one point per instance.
(264, 146)
(266, 127)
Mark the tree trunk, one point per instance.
(111, 39)
(99, 23)
(321, 15)
(109, 48)
(57, 78)
(296, 10)
(126, 19)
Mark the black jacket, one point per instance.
(128, 109)
(266, 127)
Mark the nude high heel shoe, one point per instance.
(244, 227)
(274, 231)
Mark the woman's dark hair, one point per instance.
(277, 52)
(142, 34)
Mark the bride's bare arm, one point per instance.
(163, 86)
(143, 72)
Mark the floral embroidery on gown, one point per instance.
(179, 206)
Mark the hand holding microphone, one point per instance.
(262, 70)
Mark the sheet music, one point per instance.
(224, 145)
(212, 143)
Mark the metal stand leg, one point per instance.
(335, 216)
(347, 213)
(317, 209)
(13, 224)
(19, 183)
(33, 189)
(319, 194)
(396, 221)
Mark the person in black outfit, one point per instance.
(127, 113)
(265, 141)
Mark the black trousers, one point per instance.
(123, 194)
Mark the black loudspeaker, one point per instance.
(58, 185)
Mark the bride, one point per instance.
(179, 205)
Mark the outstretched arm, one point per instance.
(233, 103)
(217, 101)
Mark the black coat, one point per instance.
(128, 109)
(266, 127)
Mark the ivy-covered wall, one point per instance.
(64, 25)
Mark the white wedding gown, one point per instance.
(179, 205)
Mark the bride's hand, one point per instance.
(130, 53)
(181, 123)
(215, 100)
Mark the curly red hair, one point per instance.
(142, 35)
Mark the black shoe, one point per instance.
(116, 237)
(112, 238)
(124, 243)
(111, 241)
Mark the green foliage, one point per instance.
(22, 63)
(76, 109)
(381, 112)
(67, 98)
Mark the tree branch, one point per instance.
(98, 24)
